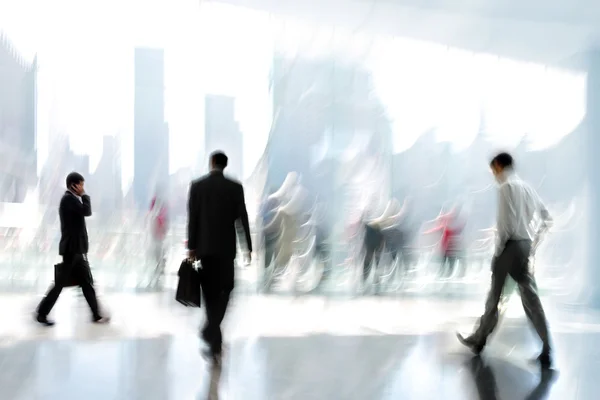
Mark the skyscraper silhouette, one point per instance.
(151, 133)
(223, 133)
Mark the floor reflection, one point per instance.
(313, 367)
(487, 387)
(380, 354)
(214, 379)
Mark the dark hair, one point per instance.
(219, 159)
(503, 160)
(74, 178)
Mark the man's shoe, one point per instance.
(213, 357)
(204, 335)
(44, 320)
(470, 342)
(545, 360)
(101, 320)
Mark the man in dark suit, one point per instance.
(74, 207)
(215, 204)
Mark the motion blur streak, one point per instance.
(361, 130)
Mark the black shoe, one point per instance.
(214, 357)
(101, 320)
(44, 320)
(470, 342)
(204, 336)
(545, 360)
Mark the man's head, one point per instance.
(75, 182)
(218, 161)
(500, 164)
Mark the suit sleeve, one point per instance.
(243, 216)
(73, 206)
(192, 231)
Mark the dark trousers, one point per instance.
(76, 267)
(372, 256)
(449, 263)
(217, 281)
(514, 261)
(270, 242)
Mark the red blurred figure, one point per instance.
(159, 228)
(451, 228)
(160, 225)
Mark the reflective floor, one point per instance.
(289, 348)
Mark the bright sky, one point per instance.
(86, 76)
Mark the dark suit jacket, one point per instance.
(73, 232)
(215, 204)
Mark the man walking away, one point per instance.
(516, 240)
(74, 207)
(215, 204)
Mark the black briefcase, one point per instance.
(62, 273)
(188, 289)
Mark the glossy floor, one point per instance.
(289, 348)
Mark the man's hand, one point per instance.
(247, 258)
(78, 189)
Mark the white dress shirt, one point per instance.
(518, 207)
(76, 195)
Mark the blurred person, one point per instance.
(322, 249)
(270, 231)
(270, 218)
(373, 243)
(516, 241)
(290, 215)
(451, 228)
(215, 204)
(159, 227)
(396, 234)
(74, 207)
(281, 216)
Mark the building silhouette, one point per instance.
(106, 180)
(18, 105)
(222, 132)
(321, 109)
(61, 161)
(151, 133)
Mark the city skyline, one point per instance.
(89, 76)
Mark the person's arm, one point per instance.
(507, 217)
(433, 230)
(243, 216)
(82, 208)
(192, 231)
(544, 226)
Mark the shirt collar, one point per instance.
(73, 193)
(509, 175)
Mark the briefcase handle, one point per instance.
(195, 262)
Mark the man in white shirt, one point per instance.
(516, 241)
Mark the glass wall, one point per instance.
(359, 152)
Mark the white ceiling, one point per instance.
(551, 32)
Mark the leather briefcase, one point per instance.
(64, 273)
(188, 292)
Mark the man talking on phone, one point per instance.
(216, 203)
(74, 207)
